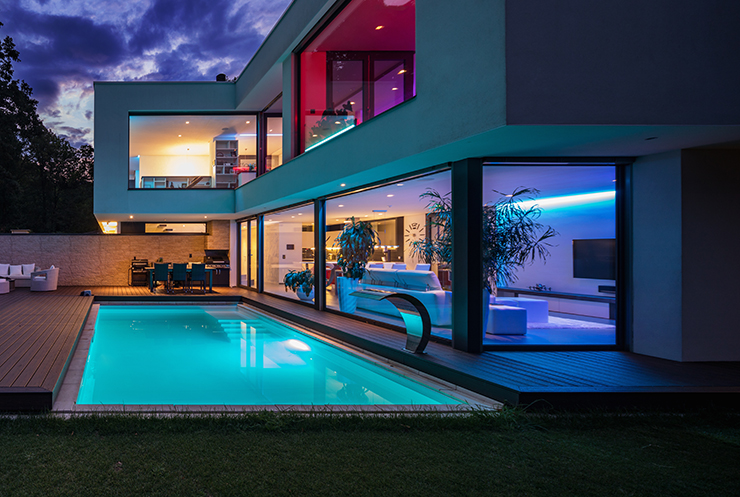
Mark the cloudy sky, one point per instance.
(65, 45)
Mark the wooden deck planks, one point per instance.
(39, 331)
(37, 336)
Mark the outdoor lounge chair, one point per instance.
(45, 281)
(179, 274)
(198, 273)
(162, 274)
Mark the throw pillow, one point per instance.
(16, 271)
(4, 269)
(28, 269)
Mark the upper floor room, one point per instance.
(344, 88)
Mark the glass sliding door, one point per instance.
(248, 249)
(289, 248)
(399, 214)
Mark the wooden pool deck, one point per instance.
(39, 331)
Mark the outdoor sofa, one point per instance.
(21, 273)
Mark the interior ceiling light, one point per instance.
(402, 71)
(341, 205)
(394, 88)
(300, 213)
(378, 28)
(337, 122)
(352, 103)
(249, 122)
(187, 122)
(399, 184)
(343, 184)
(179, 136)
(389, 195)
(131, 217)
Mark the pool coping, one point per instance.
(65, 402)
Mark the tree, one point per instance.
(47, 183)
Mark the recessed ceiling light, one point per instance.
(270, 131)
(367, 215)
(394, 88)
(378, 28)
(187, 122)
(292, 217)
(315, 136)
(343, 184)
(300, 213)
(389, 195)
(402, 71)
(352, 103)
(341, 205)
(399, 184)
(131, 217)
(206, 217)
(249, 122)
(337, 122)
(179, 136)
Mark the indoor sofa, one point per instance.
(424, 285)
(21, 273)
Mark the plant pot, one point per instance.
(303, 296)
(345, 286)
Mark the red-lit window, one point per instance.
(360, 65)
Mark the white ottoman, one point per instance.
(506, 320)
(537, 309)
(4, 286)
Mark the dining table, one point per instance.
(150, 270)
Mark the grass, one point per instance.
(510, 453)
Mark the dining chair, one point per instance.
(179, 274)
(162, 274)
(198, 273)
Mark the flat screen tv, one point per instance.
(595, 259)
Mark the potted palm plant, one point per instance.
(357, 243)
(511, 236)
(301, 282)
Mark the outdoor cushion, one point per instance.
(16, 270)
(4, 269)
(28, 268)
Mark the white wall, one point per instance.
(657, 257)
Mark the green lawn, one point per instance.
(511, 453)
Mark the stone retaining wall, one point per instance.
(102, 259)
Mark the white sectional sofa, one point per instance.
(21, 273)
(424, 285)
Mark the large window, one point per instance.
(192, 151)
(360, 65)
(288, 246)
(399, 214)
(567, 298)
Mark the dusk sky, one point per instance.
(65, 45)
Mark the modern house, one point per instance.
(625, 116)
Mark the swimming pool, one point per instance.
(229, 355)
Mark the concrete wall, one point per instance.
(657, 257)
(626, 62)
(685, 263)
(710, 265)
(113, 102)
(461, 93)
(95, 260)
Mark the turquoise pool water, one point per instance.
(228, 355)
